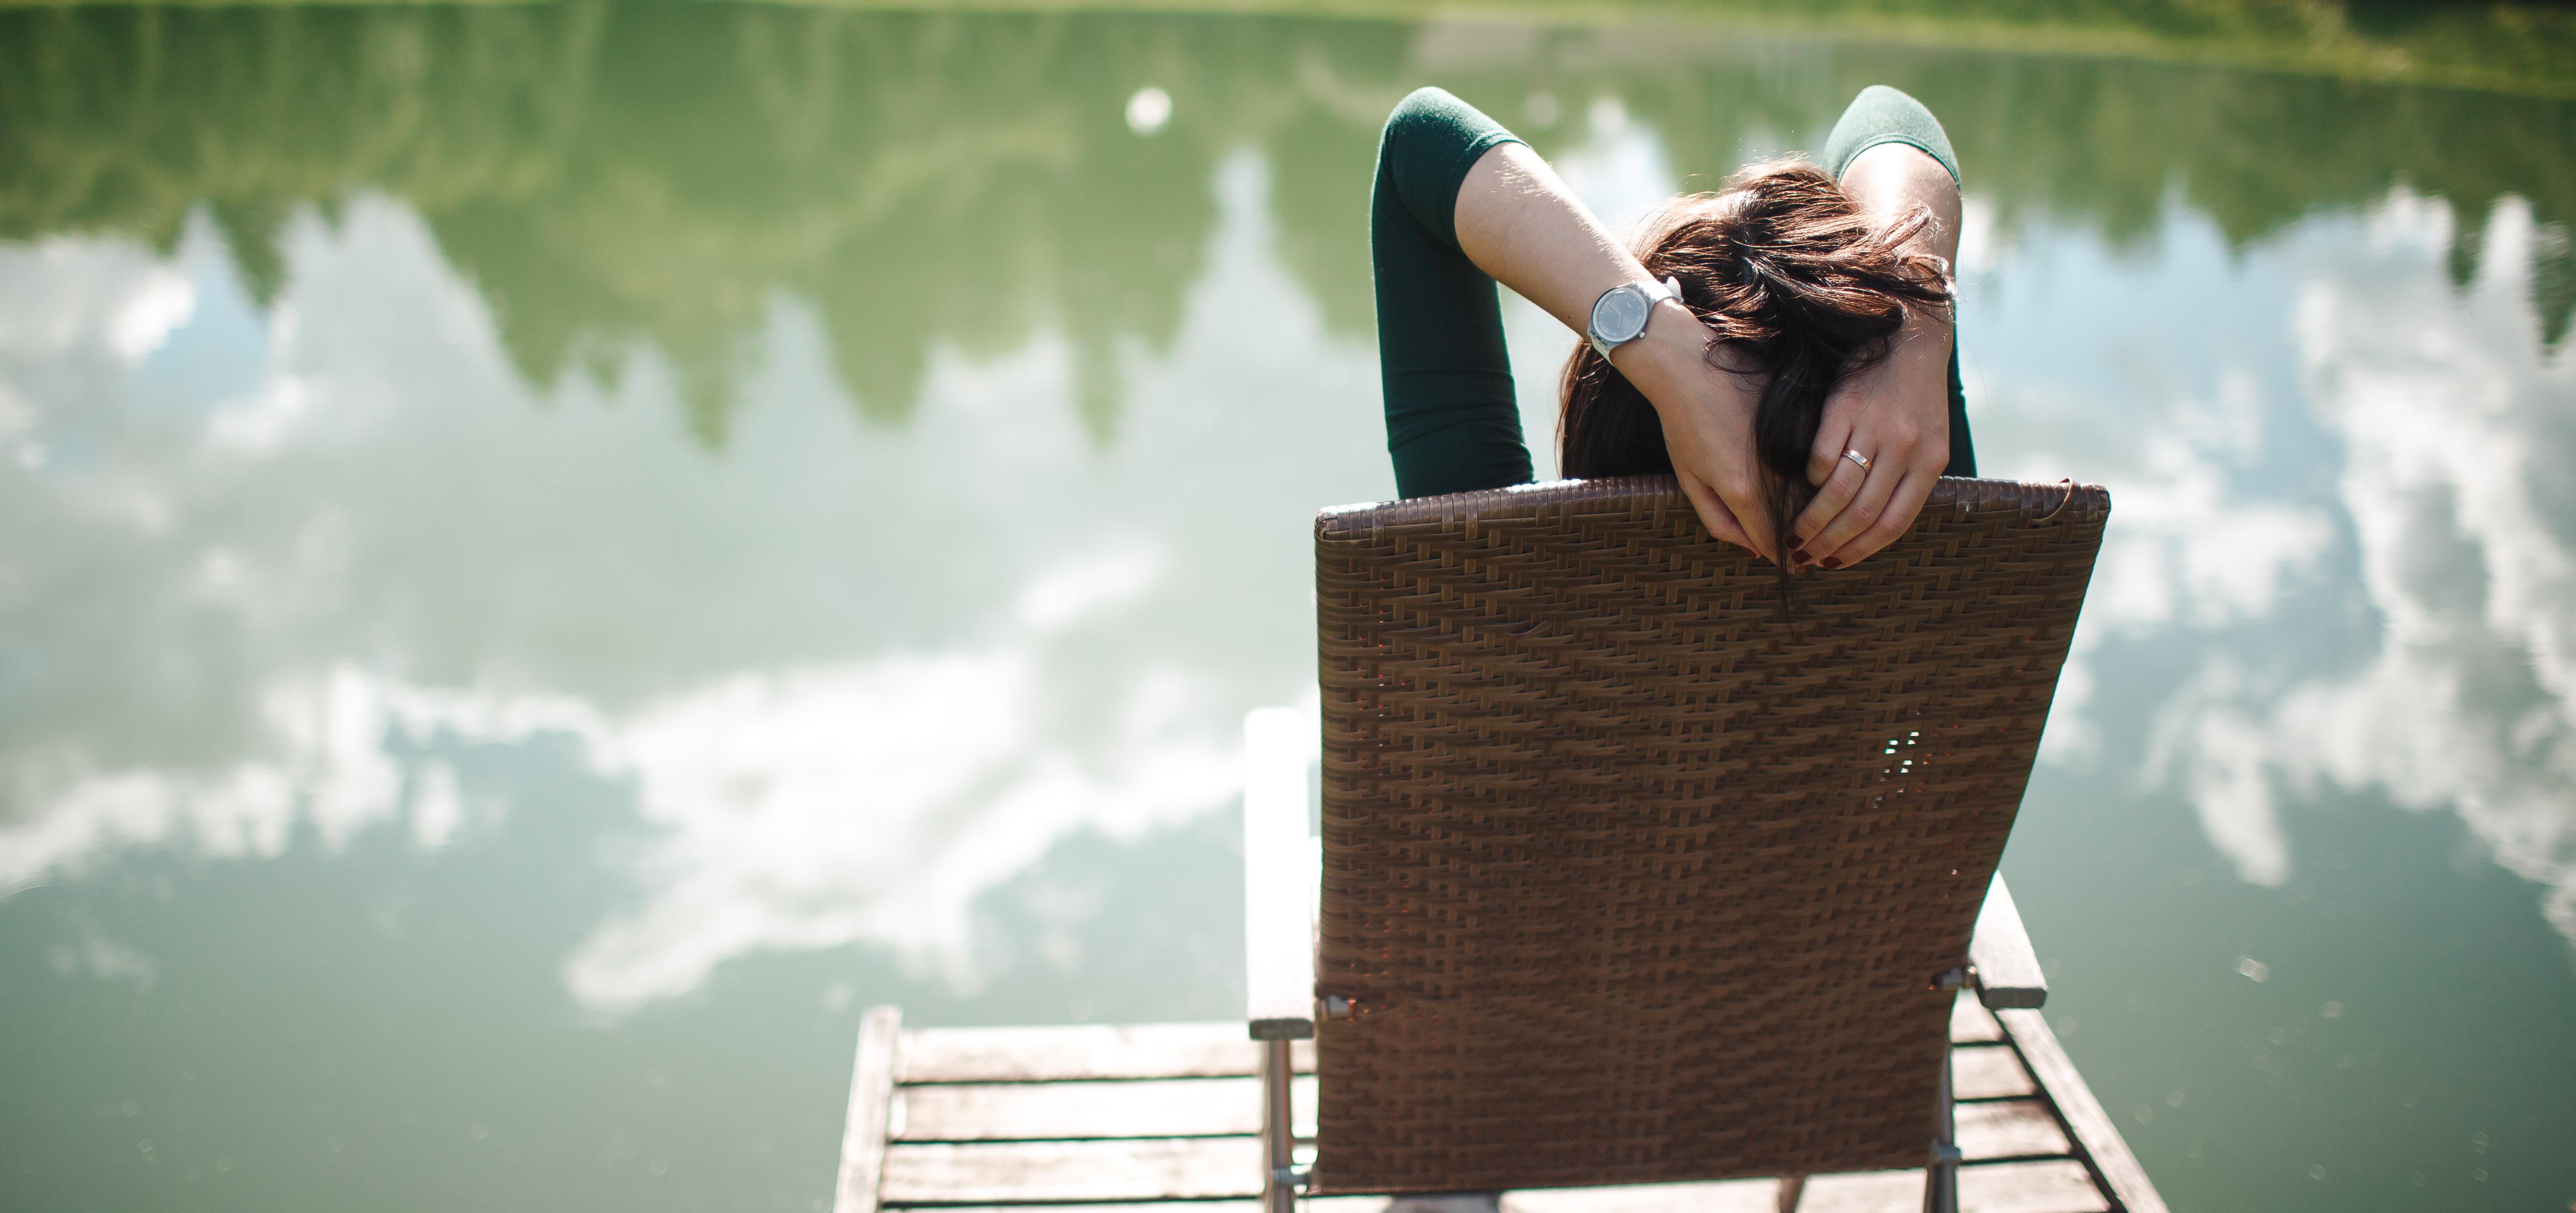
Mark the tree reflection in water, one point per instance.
(622, 178)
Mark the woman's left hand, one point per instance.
(1894, 415)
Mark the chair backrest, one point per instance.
(1632, 877)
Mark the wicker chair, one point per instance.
(1632, 872)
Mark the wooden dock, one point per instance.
(1163, 1118)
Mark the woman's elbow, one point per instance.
(1423, 107)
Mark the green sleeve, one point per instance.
(1884, 115)
(1452, 423)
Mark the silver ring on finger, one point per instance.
(1857, 457)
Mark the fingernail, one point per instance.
(1832, 562)
(1801, 556)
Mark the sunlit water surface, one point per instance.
(553, 557)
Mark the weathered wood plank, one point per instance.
(1732, 1196)
(2095, 1135)
(1018, 1172)
(2010, 1128)
(1207, 1107)
(964, 1138)
(1280, 874)
(1033, 1111)
(2008, 972)
(1306, 1204)
(1047, 1054)
(1215, 1168)
(1972, 1023)
(1056, 1053)
(1988, 1072)
(2058, 1186)
(863, 1127)
(2055, 1186)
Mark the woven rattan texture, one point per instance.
(1630, 878)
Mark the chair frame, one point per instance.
(1420, 583)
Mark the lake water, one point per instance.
(553, 556)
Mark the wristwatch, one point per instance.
(1619, 315)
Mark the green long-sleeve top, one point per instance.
(1452, 425)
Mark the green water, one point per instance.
(553, 556)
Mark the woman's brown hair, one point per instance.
(1801, 289)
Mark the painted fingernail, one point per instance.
(1800, 555)
(1832, 562)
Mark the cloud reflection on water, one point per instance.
(851, 732)
(853, 681)
(2456, 435)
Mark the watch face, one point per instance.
(1620, 316)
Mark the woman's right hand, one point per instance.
(1707, 416)
(1518, 223)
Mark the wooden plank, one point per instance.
(2057, 1185)
(1972, 1023)
(2097, 1139)
(1732, 1196)
(1279, 876)
(1305, 1204)
(1034, 1111)
(2060, 1186)
(1220, 1168)
(1020, 1172)
(2009, 1128)
(2054, 1186)
(1072, 1051)
(1989, 1072)
(863, 1127)
(1864, 1192)
(1157, 1051)
(2008, 972)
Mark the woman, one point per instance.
(1782, 347)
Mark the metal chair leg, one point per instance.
(1279, 1181)
(1941, 1178)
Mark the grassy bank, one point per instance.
(2514, 48)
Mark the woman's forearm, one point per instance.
(1520, 224)
(1526, 230)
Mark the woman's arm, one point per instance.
(1897, 413)
(1452, 424)
(1521, 225)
